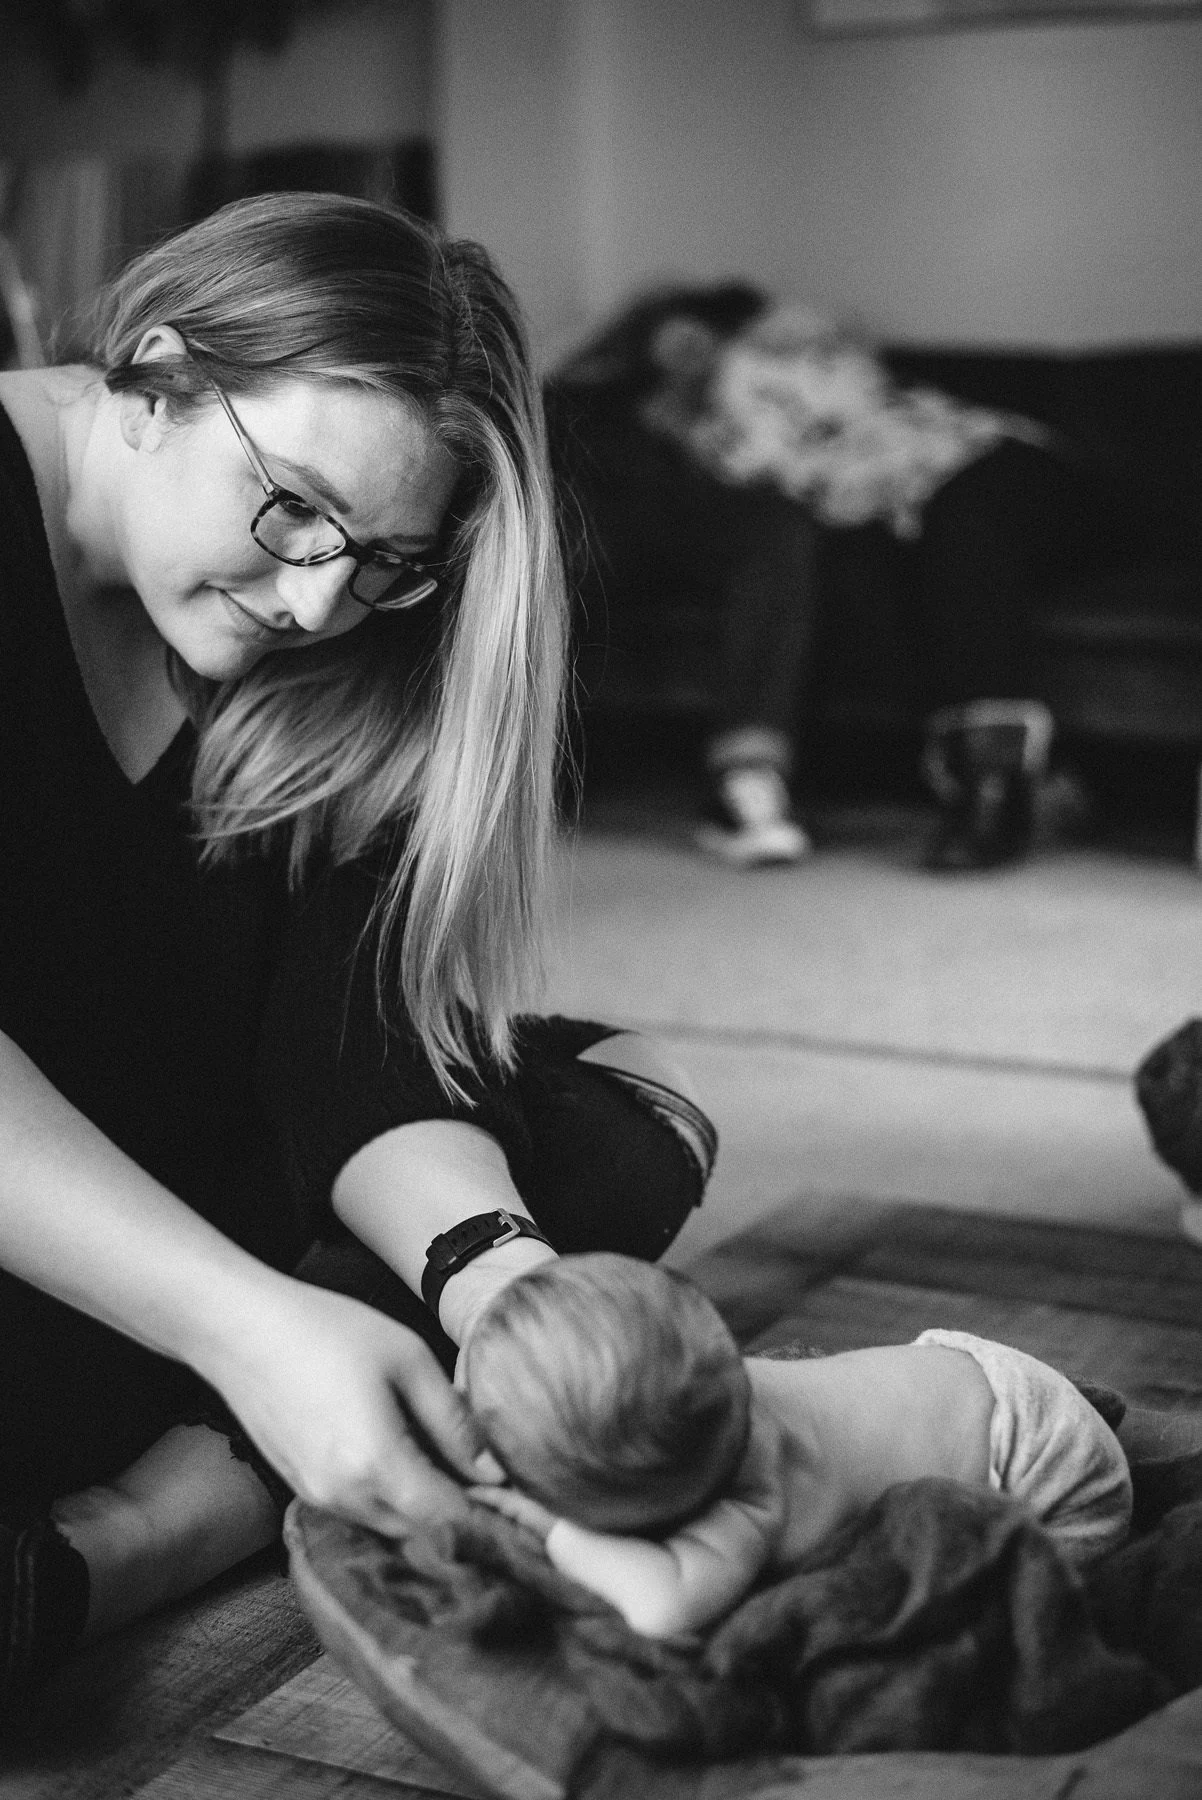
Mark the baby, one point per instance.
(665, 1472)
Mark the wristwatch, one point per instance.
(452, 1250)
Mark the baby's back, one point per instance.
(856, 1423)
(949, 1405)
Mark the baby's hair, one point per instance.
(610, 1390)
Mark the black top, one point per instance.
(200, 1017)
(133, 980)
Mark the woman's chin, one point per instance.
(216, 660)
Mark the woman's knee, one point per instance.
(664, 1093)
(631, 1053)
(618, 1151)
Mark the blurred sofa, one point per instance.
(1119, 650)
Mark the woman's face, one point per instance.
(187, 495)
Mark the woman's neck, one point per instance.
(66, 420)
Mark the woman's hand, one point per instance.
(348, 1406)
(344, 1402)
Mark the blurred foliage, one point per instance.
(194, 37)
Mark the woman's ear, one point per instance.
(143, 413)
(160, 342)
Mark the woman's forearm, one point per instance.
(328, 1389)
(399, 1191)
(80, 1220)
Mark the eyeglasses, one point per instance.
(294, 532)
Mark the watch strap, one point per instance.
(452, 1250)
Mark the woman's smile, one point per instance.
(249, 624)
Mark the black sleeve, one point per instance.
(332, 1073)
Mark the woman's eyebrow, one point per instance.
(333, 499)
(316, 481)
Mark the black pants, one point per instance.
(600, 1166)
(994, 538)
(661, 529)
(997, 536)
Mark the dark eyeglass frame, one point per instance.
(361, 554)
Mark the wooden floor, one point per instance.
(226, 1696)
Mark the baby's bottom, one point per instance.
(1050, 1448)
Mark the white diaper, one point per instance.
(1050, 1448)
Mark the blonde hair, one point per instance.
(599, 1379)
(432, 735)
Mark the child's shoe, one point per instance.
(751, 821)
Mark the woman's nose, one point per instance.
(314, 593)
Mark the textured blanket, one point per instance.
(942, 1619)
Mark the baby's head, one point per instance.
(610, 1390)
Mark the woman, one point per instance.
(281, 642)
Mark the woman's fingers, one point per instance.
(354, 1410)
(412, 1491)
(442, 1413)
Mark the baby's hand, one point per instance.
(518, 1507)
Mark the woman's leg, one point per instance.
(181, 1515)
(108, 1505)
(606, 1146)
(614, 1153)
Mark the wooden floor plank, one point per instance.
(122, 1710)
(218, 1771)
(1154, 1364)
(1104, 1271)
(755, 1277)
(763, 1275)
(321, 1716)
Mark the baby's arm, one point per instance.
(692, 1577)
(683, 1584)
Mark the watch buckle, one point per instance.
(514, 1230)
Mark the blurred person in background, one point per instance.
(740, 442)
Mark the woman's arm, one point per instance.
(319, 1381)
(401, 1189)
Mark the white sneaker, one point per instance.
(752, 822)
